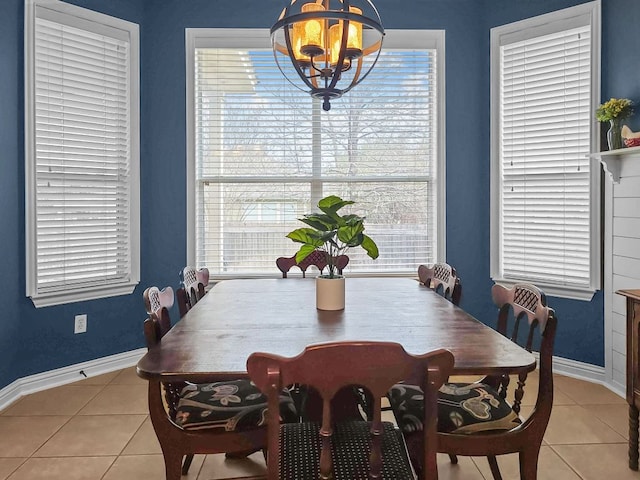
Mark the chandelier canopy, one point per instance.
(331, 45)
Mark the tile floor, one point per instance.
(99, 429)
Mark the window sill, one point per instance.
(81, 295)
(572, 293)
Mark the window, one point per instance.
(262, 153)
(82, 154)
(545, 193)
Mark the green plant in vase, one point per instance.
(614, 111)
(332, 233)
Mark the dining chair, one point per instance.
(347, 450)
(219, 416)
(316, 258)
(475, 419)
(192, 287)
(442, 278)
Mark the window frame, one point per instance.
(518, 31)
(97, 289)
(247, 38)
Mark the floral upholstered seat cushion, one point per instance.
(462, 408)
(231, 405)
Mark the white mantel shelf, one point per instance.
(612, 159)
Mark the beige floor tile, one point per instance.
(598, 462)
(9, 465)
(128, 376)
(147, 467)
(531, 391)
(586, 441)
(119, 399)
(388, 416)
(86, 435)
(103, 379)
(573, 424)
(561, 398)
(616, 416)
(144, 442)
(586, 393)
(21, 436)
(464, 378)
(65, 400)
(217, 467)
(73, 468)
(550, 466)
(465, 469)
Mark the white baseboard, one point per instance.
(99, 366)
(65, 375)
(583, 371)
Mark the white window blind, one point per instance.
(84, 169)
(265, 153)
(545, 184)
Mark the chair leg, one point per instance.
(529, 463)
(453, 458)
(495, 471)
(172, 465)
(187, 463)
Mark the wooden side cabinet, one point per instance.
(633, 370)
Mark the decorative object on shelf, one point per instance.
(631, 138)
(614, 111)
(614, 134)
(327, 47)
(333, 234)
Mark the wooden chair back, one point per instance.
(192, 289)
(330, 367)
(524, 317)
(443, 278)
(176, 442)
(157, 303)
(317, 258)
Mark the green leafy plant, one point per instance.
(614, 108)
(332, 233)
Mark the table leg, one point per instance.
(633, 437)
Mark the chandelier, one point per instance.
(331, 45)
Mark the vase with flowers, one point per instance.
(614, 111)
(333, 234)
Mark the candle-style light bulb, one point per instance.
(310, 34)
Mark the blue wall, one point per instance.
(36, 340)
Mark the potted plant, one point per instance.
(333, 234)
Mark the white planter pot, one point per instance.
(330, 293)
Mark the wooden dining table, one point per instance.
(239, 317)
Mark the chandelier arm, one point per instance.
(373, 64)
(376, 46)
(356, 75)
(282, 49)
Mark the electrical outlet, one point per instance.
(80, 324)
